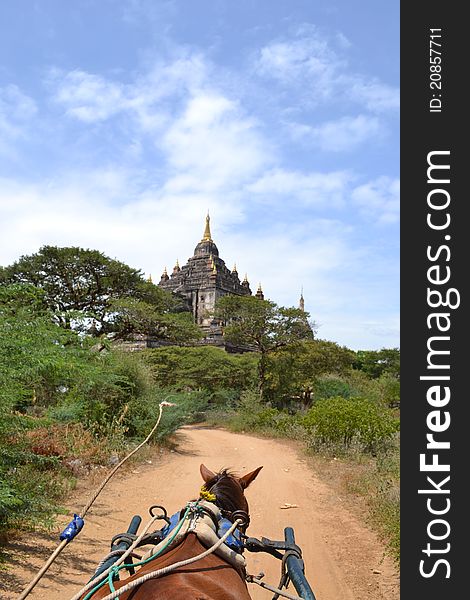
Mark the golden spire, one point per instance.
(207, 231)
(149, 279)
(177, 264)
(234, 270)
(246, 279)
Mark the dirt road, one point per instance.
(343, 558)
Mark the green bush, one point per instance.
(344, 420)
(330, 386)
(143, 412)
(30, 483)
(382, 486)
(253, 415)
(103, 386)
(201, 368)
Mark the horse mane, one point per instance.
(227, 490)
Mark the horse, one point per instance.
(211, 578)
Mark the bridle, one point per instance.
(232, 516)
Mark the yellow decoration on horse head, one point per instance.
(206, 495)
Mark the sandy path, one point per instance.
(344, 560)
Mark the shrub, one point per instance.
(143, 412)
(253, 415)
(344, 420)
(330, 386)
(31, 476)
(204, 367)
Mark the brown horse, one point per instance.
(210, 578)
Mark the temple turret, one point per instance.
(164, 276)
(259, 293)
(301, 301)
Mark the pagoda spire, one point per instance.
(259, 294)
(302, 301)
(207, 231)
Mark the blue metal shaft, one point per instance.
(295, 568)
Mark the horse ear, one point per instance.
(249, 477)
(206, 473)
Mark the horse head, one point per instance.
(227, 491)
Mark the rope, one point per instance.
(115, 568)
(129, 551)
(116, 553)
(89, 504)
(170, 568)
(271, 588)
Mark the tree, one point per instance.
(293, 370)
(130, 315)
(261, 325)
(202, 368)
(21, 299)
(81, 286)
(378, 362)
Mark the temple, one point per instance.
(202, 281)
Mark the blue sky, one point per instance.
(123, 121)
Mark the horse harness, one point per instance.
(209, 523)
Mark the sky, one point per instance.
(122, 122)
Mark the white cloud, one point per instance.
(340, 135)
(308, 60)
(313, 189)
(88, 97)
(376, 96)
(16, 111)
(379, 200)
(321, 72)
(213, 144)
(15, 103)
(359, 332)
